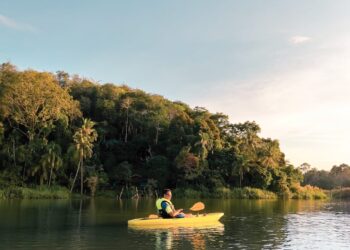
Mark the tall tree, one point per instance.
(34, 101)
(53, 159)
(83, 139)
(270, 154)
(126, 104)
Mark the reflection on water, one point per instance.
(101, 224)
(170, 238)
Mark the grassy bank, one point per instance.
(226, 193)
(34, 193)
(296, 192)
(190, 193)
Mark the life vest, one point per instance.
(161, 211)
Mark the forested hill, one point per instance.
(143, 140)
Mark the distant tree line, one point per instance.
(54, 126)
(337, 177)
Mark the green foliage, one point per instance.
(188, 164)
(10, 177)
(158, 169)
(92, 183)
(122, 173)
(253, 193)
(151, 187)
(33, 101)
(2, 132)
(188, 193)
(145, 142)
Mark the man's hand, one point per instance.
(176, 212)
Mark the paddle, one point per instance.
(198, 206)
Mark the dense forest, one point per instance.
(57, 129)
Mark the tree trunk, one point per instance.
(149, 150)
(50, 176)
(157, 133)
(52, 166)
(121, 193)
(240, 180)
(126, 125)
(75, 177)
(136, 196)
(81, 177)
(79, 217)
(14, 153)
(24, 170)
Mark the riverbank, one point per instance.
(57, 192)
(225, 193)
(296, 192)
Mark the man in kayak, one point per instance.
(166, 209)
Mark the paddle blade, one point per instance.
(152, 216)
(197, 207)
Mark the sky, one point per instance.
(284, 64)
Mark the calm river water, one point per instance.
(102, 224)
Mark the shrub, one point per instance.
(307, 192)
(224, 192)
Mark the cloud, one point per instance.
(300, 39)
(12, 24)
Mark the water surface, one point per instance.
(102, 224)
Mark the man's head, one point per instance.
(167, 194)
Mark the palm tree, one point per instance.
(83, 139)
(41, 169)
(204, 144)
(52, 159)
(271, 153)
(242, 168)
(126, 104)
(49, 162)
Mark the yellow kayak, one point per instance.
(195, 221)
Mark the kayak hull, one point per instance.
(201, 220)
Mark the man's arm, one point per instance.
(176, 212)
(169, 211)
